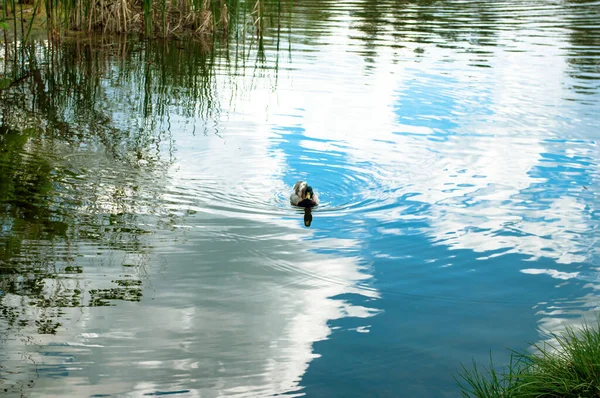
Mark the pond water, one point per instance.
(147, 243)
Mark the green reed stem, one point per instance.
(148, 17)
(89, 12)
(3, 24)
(14, 12)
(214, 7)
(37, 4)
(49, 16)
(67, 8)
(164, 17)
(22, 27)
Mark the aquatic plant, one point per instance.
(164, 18)
(567, 367)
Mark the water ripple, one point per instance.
(454, 147)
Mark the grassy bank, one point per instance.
(569, 367)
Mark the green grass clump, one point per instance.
(568, 368)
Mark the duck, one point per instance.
(303, 195)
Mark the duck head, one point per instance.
(308, 192)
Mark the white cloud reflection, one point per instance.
(480, 167)
(234, 298)
(233, 313)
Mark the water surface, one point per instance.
(147, 245)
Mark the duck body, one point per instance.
(303, 195)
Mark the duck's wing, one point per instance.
(298, 185)
(295, 199)
(296, 196)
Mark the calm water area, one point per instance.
(147, 242)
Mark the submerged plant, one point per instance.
(569, 367)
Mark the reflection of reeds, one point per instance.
(112, 94)
(35, 9)
(160, 77)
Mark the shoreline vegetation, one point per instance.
(567, 367)
(150, 18)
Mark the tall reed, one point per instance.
(162, 18)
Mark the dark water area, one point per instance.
(147, 242)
